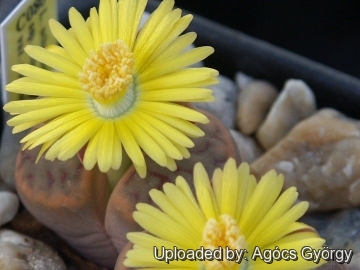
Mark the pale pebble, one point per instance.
(9, 206)
(248, 149)
(321, 157)
(254, 102)
(224, 106)
(340, 229)
(18, 251)
(144, 18)
(295, 103)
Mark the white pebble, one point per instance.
(224, 106)
(18, 251)
(248, 149)
(9, 205)
(295, 103)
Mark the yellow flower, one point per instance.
(114, 87)
(232, 211)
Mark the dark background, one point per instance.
(326, 31)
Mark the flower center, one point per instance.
(223, 233)
(107, 73)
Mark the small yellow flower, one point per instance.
(114, 87)
(232, 211)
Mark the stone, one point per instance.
(295, 103)
(340, 229)
(355, 262)
(18, 251)
(242, 79)
(9, 206)
(254, 102)
(321, 157)
(197, 64)
(144, 18)
(247, 146)
(25, 223)
(224, 106)
(331, 265)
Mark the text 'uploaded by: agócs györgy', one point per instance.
(266, 255)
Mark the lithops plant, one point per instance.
(117, 99)
(80, 205)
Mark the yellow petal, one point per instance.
(169, 208)
(73, 141)
(28, 86)
(61, 52)
(45, 113)
(95, 28)
(179, 26)
(106, 149)
(147, 241)
(130, 145)
(186, 127)
(181, 61)
(151, 24)
(245, 186)
(217, 185)
(130, 13)
(174, 110)
(68, 42)
(44, 132)
(160, 225)
(81, 30)
(179, 79)
(144, 50)
(204, 192)
(23, 106)
(117, 152)
(183, 150)
(105, 19)
(263, 198)
(52, 60)
(179, 45)
(283, 204)
(161, 140)
(177, 95)
(25, 126)
(175, 135)
(91, 151)
(229, 188)
(46, 76)
(183, 186)
(194, 216)
(276, 230)
(44, 147)
(114, 7)
(151, 148)
(55, 129)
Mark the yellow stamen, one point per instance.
(223, 233)
(107, 73)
